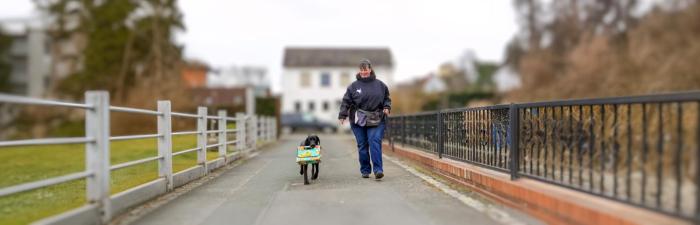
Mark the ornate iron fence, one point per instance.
(641, 150)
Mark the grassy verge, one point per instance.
(32, 163)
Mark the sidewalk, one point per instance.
(268, 189)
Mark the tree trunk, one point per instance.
(121, 91)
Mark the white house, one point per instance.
(315, 79)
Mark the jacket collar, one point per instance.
(368, 79)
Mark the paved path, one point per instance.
(268, 189)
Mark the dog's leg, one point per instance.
(313, 171)
(315, 167)
(306, 177)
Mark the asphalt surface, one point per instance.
(267, 189)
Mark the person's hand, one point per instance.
(386, 111)
(341, 121)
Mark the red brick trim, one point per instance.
(549, 203)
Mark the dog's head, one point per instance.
(312, 141)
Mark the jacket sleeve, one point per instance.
(387, 99)
(345, 105)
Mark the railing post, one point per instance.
(240, 133)
(392, 131)
(97, 152)
(274, 128)
(222, 134)
(266, 126)
(263, 128)
(165, 143)
(269, 129)
(271, 125)
(202, 137)
(260, 128)
(439, 133)
(253, 132)
(514, 131)
(403, 131)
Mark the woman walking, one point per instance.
(366, 102)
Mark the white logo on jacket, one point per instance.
(359, 91)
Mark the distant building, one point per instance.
(29, 56)
(453, 79)
(314, 80)
(243, 76)
(38, 60)
(234, 98)
(194, 74)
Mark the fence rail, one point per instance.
(249, 131)
(641, 150)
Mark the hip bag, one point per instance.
(368, 118)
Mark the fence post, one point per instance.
(202, 137)
(97, 152)
(439, 133)
(403, 131)
(274, 128)
(253, 132)
(240, 132)
(269, 129)
(514, 126)
(390, 129)
(165, 143)
(263, 128)
(258, 129)
(222, 134)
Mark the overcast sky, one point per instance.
(420, 34)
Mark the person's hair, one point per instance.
(365, 63)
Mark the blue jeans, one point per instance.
(369, 145)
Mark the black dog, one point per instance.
(311, 141)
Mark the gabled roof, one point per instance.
(335, 57)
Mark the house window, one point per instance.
(297, 106)
(345, 79)
(305, 79)
(325, 79)
(312, 106)
(326, 106)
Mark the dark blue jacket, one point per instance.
(368, 94)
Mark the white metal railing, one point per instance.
(97, 138)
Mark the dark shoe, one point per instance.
(378, 175)
(365, 175)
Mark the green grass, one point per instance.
(31, 163)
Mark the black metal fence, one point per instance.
(418, 130)
(641, 150)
